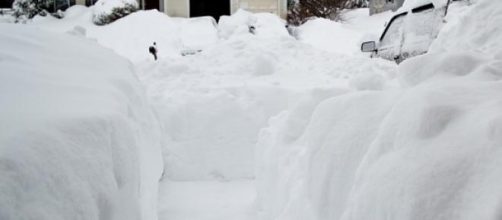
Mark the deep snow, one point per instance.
(208, 200)
(324, 131)
(428, 149)
(78, 139)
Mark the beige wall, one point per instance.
(180, 8)
(176, 8)
(271, 6)
(80, 2)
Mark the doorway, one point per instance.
(152, 4)
(214, 8)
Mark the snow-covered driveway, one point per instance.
(256, 126)
(207, 200)
(213, 105)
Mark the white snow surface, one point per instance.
(346, 36)
(78, 139)
(326, 132)
(207, 200)
(427, 149)
(131, 36)
(214, 103)
(266, 25)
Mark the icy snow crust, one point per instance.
(78, 139)
(427, 150)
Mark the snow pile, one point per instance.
(265, 25)
(332, 36)
(132, 35)
(197, 33)
(428, 150)
(214, 103)
(77, 138)
(344, 36)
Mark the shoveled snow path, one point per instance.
(207, 200)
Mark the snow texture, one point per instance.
(326, 132)
(130, 37)
(427, 150)
(78, 139)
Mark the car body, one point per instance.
(408, 33)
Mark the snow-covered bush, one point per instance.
(357, 3)
(27, 9)
(107, 11)
(303, 10)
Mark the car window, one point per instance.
(420, 29)
(390, 42)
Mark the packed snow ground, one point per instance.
(207, 200)
(320, 130)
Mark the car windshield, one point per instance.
(391, 40)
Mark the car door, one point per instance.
(421, 27)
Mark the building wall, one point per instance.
(271, 6)
(180, 8)
(177, 8)
(80, 2)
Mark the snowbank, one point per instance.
(131, 36)
(77, 137)
(330, 35)
(213, 104)
(344, 36)
(427, 150)
(266, 25)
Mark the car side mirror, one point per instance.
(369, 46)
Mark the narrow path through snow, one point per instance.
(207, 200)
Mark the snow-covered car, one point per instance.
(408, 34)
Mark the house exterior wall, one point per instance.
(177, 8)
(80, 2)
(271, 6)
(378, 6)
(181, 8)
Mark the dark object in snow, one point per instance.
(252, 29)
(188, 52)
(291, 31)
(153, 50)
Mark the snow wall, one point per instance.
(78, 139)
(427, 150)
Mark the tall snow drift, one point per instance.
(77, 137)
(427, 150)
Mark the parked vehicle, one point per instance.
(408, 34)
